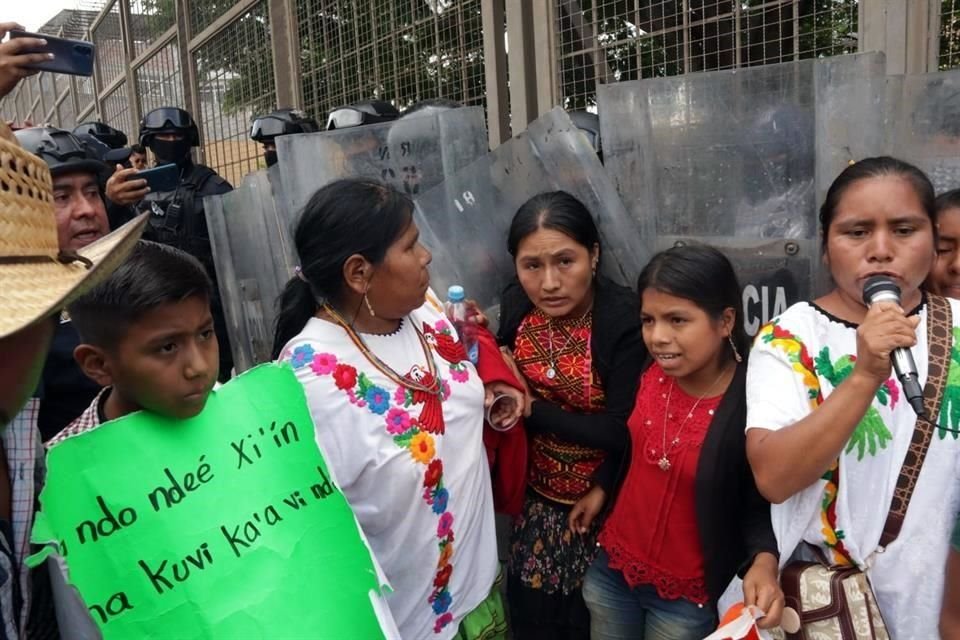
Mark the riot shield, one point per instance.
(412, 154)
(465, 219)
(926, 129)
(255, 258)
(728, 158)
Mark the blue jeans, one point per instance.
(619, 612)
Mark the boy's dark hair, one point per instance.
(153, 275)
(947, 200)
(138, 148)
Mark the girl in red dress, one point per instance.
(688, 516)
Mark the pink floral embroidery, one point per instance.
(398, 421)
(323, 363)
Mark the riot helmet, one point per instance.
(169, 120)
(589, 125)
(61, 150)
(429, 107)
(97, 148)
(355, 115)
(113, 138)
(265, 129)
(280, 123)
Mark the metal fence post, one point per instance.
(495, 71)
(286, 53)
(129, 53)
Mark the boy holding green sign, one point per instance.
(147, 337)
(193, 514)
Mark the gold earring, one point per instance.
(736, 352)
(369, 306)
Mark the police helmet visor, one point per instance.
(167, 118)
(346, 117)
(267, 128)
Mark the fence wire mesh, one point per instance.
(949, 55)
(159, 80)
(66, 115)
(602, 41)
(235, 81)
(108, 39)
(150, 19)
(402, 51)
(116, 111)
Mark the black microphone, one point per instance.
(883, 289)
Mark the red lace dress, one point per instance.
(651, 536)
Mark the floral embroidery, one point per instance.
(345, 376)
(833, 537)
(871, 433)
(791, 346)
(323, 363)
(950, 405)
(302, 356)
(398, 421)
(377, 399)
(796, 352)
(421, 447)
(440, 335)
(416, 434)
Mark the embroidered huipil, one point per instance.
(796, 362)
(411, 464)
(661, 547)
(559, 470)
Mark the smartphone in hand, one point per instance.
(74, 57)
(163, 178)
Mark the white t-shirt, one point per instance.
(796, 362)
(433, 535)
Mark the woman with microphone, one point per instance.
(828, 422)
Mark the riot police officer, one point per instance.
(266, 129)
(177, 217)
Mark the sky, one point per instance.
(33, 13)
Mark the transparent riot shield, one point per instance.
(728, 158)
(255, 258)
(926, 126)
(412, 154)
(465, 219)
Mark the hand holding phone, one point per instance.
(125, 188)
(15, 61)
(166, 177)
(74, 57)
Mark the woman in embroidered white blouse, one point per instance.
(397, 405)
(828, 423)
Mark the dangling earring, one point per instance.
(373, 314)
(736, 352)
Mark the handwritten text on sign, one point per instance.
(222, 526)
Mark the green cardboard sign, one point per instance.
(226, 525)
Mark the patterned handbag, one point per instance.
(837, 603)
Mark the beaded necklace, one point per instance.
(434, 388)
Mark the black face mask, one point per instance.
(270, 157)
(171, 151)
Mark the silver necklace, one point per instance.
(552, 369)
(664, 462)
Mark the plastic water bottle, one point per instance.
(459, 316)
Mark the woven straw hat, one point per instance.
(36, 278)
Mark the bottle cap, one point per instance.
(455, 293)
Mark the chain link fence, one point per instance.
(603, 41)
